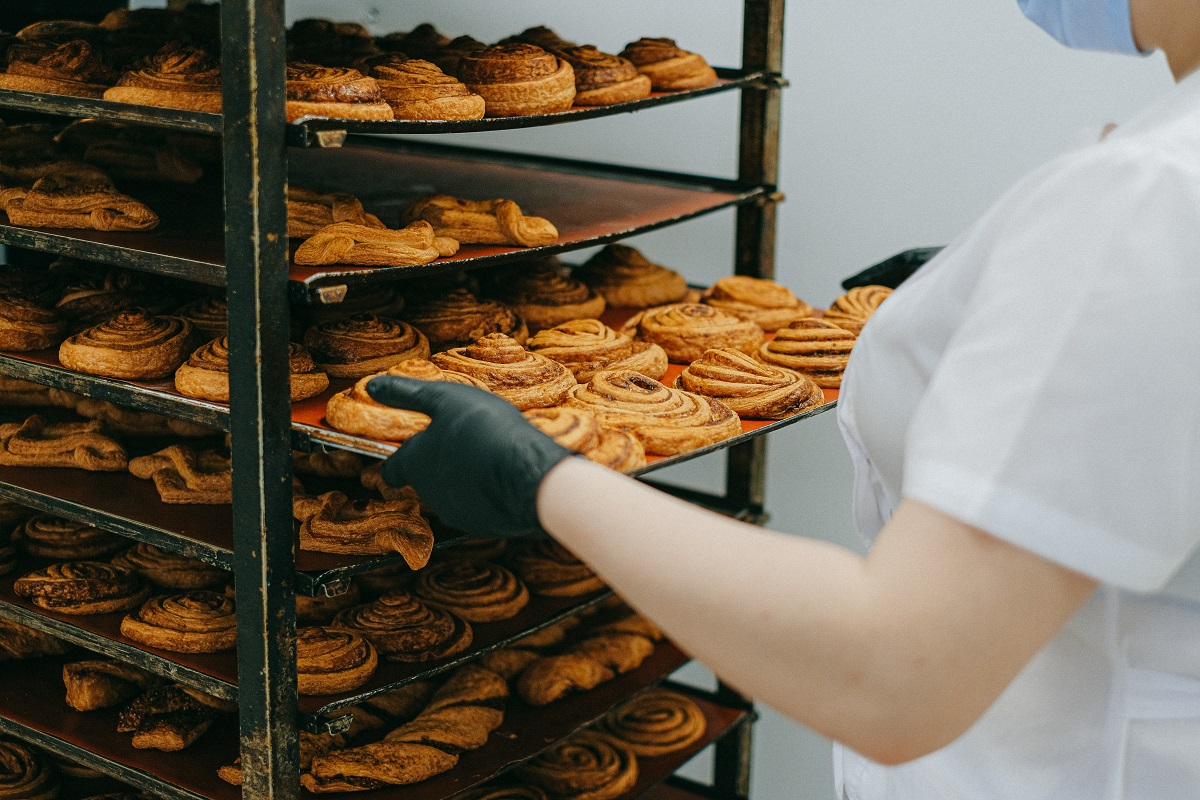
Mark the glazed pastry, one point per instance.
(58, 539)
(309, 211)
(495, 221)
(363, 344)
(330, 661)
(457, 319)
(540, 36)
(16, 392)
(25, 774)
(311, 746)
(168, 718)
(83, 588)
(548, 568)
(525, 379)
(339, 92)
(18, 642)
(93, 685)
(332, 523)
(657, 722)
(519, 80)
(183, 476)
(628, 279)
(321, 610)
(350, 243)
(209, 315)
(578, 430)
(38, 443)
(768, 304)
(332, 464)
(27, 324)
(852, 310)
(177, 76)
(418, 89)
(170, 570)
(73, 68)
(812, 347)
(65, 201)
(133, 345)
(587, 346)
(128, 422)
(195, 622)
(687, 330)
(753, 390)
(668, 67)
(666, 421)
(478, 591)
(206, 373)
(602, 79)
(545, 297)
(403, 628)
(588, 765)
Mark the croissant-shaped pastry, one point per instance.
(355, 411)
(83, 588)
(687, 330)
(332, 523)
(404, 629)
(602, 79)
(657, 722)
(209, 315)
(587, 765)
(495, 221)
(170, 570)
(525, 379)
(669, 67)
(339, 92)
(812, 347)
(588, 346)
(133, 345)
(18, 642)
(545, 297)
(628, 279)
(205, 375)
(418, 89)
(38, 443)
(350, 243)
(457, 319)
(852, 310)
(754, 390)
(766, 303)
(184, 476)
(519, 80)
(94, 684)
(25, 774)
(329, 661)
(363, 344)
(58, 201)
(48, 536)
(550, 569)
(578, 430)
(177, 76)
(478, 591)
(195, 622)
(28, 323)
(309, 211)
(73, 68)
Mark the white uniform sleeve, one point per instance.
(1064, 415)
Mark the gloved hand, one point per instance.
(478, 464)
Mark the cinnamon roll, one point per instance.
(628, 279)
(525, 379)
(18, 642)
(540, 36)
(333, 523)
(363, 344)
(205, 375)
(852, 310)
(687, 330)
(578, 430)
(550, 569)
(28, 323)
(669, 67)
(65, 201)
(753, 390)
(339, 92)
(519, 80)
(404, 629)
(184, 476)
(170, 570)
(309, 211)
(812, 347)
(602, 79)
(418, 89)
(330, 661)
(545, 297)
(478, 591)
(134, 345)
(73, 68)
(495, 221)
(587, 346)
(82, 588)
(366, 245)
(89, 297)
(457, 319)
(587, 765)
(450, 57)
(766, 303)
(25, 774)
(38, 443)
(48, 536)
(195, 622)
(657, 722)
(177, 76)
(95, 684)
(208, 315)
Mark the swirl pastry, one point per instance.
(550, 569)
(349, 243)
(83, 588)
(177, 76)
(519, 80)
(753, 390)
(95, 684)
(62, 201)
(73, 68)
(768, 304)
(170, 570)
(525, 379)
(183, 476)
(495, 221)
(128, 422)
(457, 319)
(18, 642)
(478, 591)
(587, 346)
(852, 310)
(333, 523)
(628, 279)
(418, 89)
(25, 774)
(208, 315)
(657, 722)
(195, 622)
(545, 297)
(339, 92)
(363, 344)
(38, 443)
(404, 629)
(133, 345)
(205, 375)
(687, 330)
(450, 57)
(354, 411)
(578, 430)
(48, 536)
(666, 421)
(669, 67)
(812, 347)
(588, 765)
(602, 79)
(329, 661)
(309, 211)
(90, 298)
(27, 323)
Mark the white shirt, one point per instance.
(1040, 379)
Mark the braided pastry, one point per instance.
(495, 221)
(518, 80)
(363, 344)
(550, 569)
(183, 476)
(666, 421)
(333, 523)
(339, 92)
(208, 315)
(82, 588)
(134, 345)
(768, 304)
(525, 379)
(206, 373)
(753, 390)
(545, 297)
(38, 443)
(177, 76)
(587, 346)
(62, 200)
(329, 661)
(170, 570)
(418, 89)
(309, 211)
(73, 68)
(588, 765)
(25, 774)
(457, 319)
(95, 684)
(26, 323)
(195, 622)
(812, 347)
(48, 536)
(478, 591)
(669, 67)
(852, 310)
(18, 642)
(657, 722)
(602, 79)
(687, 330)
(365, 245)
(628, 279)
(578, 430)
(404, 629)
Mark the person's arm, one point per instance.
(894, 655)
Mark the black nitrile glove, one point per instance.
(478, 464)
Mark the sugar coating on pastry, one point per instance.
(330, 661)
(587, 346)
(587, 765)
(852, 310)
(602, 79)
(177, 76)
(669, 67)
(657, 722)
(687, 330)
(769, 304)
(753, 389)
(493, 221)
(525, 379)
(405, 629)
(195, 622)
(545, 296)
(478, 591)
(519, 79)
(628, 279)
(578, 430)
(134, 345)
(812, 347)
(457, 319)
(339, 92)
(363, 344)
(205, 375)
(309, 211)
(417, 89)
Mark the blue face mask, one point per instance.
(1085, 24)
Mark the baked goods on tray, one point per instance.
(95, 684)
(177, 76)
(339, 92)
(813, 347)
(687, 330)
(331, 464)
(82, 588)
(38, 443)
(28, 322)
(74, 68)
(657, 722)
(338, 44)
(417, 89)
(494, 221)
(209, 315)
(130, 422)
(16, 392)
(167, 718)
(852, 310)
(628, 279)
(134, 345)
(18, 642)
(195, 622)
(587, 765)
(754, 390)
(457, 319)
(541, 36)
(205, 375)
(363, 344)
(366, 245)
(170, 570)
(184, 476)
(25, 773)
(64, 200)
(669, 67)
(578, 430)
(499, 362)
(601, 78)
(402, 628)
(308, 211)
(519, 79)
(544, 296)
(478, 591)
(48, 536)
(587, 346)
(550, 569)
(769, 304)
(329, 661)
(333, 523)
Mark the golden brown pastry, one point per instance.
(309, 212)
(25, 774)
(548, 568)
(93, 685)
(83, 588)
(381, 300)
(657, 722)
(588, 765)
(519, 80)
(48, 536)
(126, 156)
(602, 79)
(417, 89)
(170, 570)
(38, 443)
(578, 430)
(363, 344)
(28, 324)
(177, 76)
(61, 200)
(669, 67)
(168, 718)
(195, 622)
(184, 476)
(852, 310)
(321, 609)
(205, 375)
(766, 303)
(551, 678)
(450, 57)
(552, 635)
(495, 221)
(754, 390)
(545, 297)
(478, 591)
(389, 709)
(687, 330)
(129, 422)
(373, 766)
(92, 297)
(339, 92)
(209, 315)
(508, 662)
(74, 68)
(812, 347)
(16, 392)
(18, 642)
(330, 661)
(311, 746)
(403, 628)
(351, 243)
(525, 379)
(628, 279)
(588, 346)
(134, 345)
(333, 523)
(331, 464)
(457, 319)
(666, 421)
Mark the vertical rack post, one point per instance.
(256, 253)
